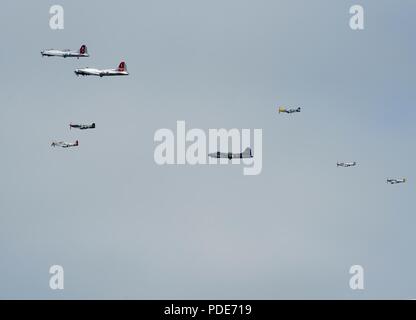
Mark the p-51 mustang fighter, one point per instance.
(120, 71)
(346, 164)
(396, 181)
(82, 126)
(64, 144)
(245, 154)
(82, 52)
(282, 109)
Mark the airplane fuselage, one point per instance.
(100, 73)
(63, 54)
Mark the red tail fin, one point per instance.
(122, 66)
(83, 49)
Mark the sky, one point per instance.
(123, 227)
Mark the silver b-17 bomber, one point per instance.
(245, 154)
(121, 70)
(67, 53)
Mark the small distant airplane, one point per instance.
(82, 126)
(346, 164)
(245, 154)
(82, 52)
(282, 109)
(120, 71)
(64, 144)
(395, 181)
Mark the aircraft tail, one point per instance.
(76, 143)
(83, 49)
(93, 125)
(281, 109)
(247, 152)
(298, 109)
(122, 66)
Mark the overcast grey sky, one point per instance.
(124, 227)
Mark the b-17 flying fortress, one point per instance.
(82, 52)
(120, 71)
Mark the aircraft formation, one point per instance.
(64, 144)
(82, 52)
(121, 70)
(340, 164)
